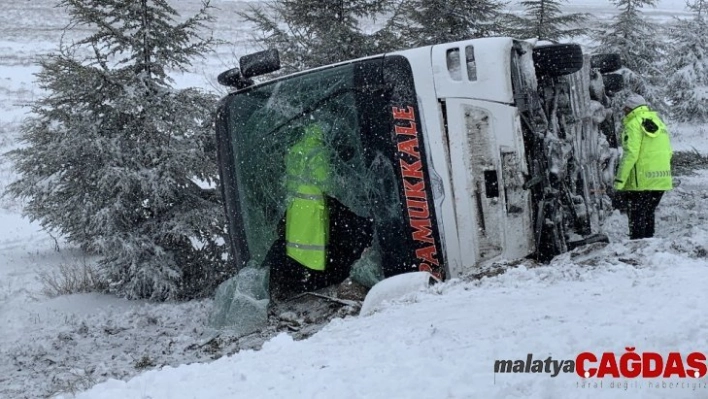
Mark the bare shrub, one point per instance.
(72, 382)
(71, 278)
(686, 162)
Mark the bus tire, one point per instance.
(613, 83)
(606, 62)
(558, 59)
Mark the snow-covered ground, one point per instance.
(441, 343)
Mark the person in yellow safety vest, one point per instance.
(307, 217)
(644, 172)
(318, 238)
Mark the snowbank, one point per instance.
(443, 344)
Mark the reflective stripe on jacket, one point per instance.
(647, 152)
(307, 216)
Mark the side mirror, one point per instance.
(260, 63)
(234, 78)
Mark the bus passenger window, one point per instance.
(471, 64)
(453, 64)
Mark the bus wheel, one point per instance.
(606, 62)
(614, 82)
(558, 59)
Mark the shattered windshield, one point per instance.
(367, 115)
(269, 120)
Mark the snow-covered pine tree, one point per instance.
(688, 66)
(425, 22)
(311, 33)
(640, 45)
(116, 159)
(543, 19)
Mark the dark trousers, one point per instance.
(641, 208)
(350, 234)
(289, 278)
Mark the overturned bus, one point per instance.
(460, 154)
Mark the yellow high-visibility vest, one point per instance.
(307, 216)
(647, 153)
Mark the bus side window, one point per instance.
(453, 64)
(470, 62)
